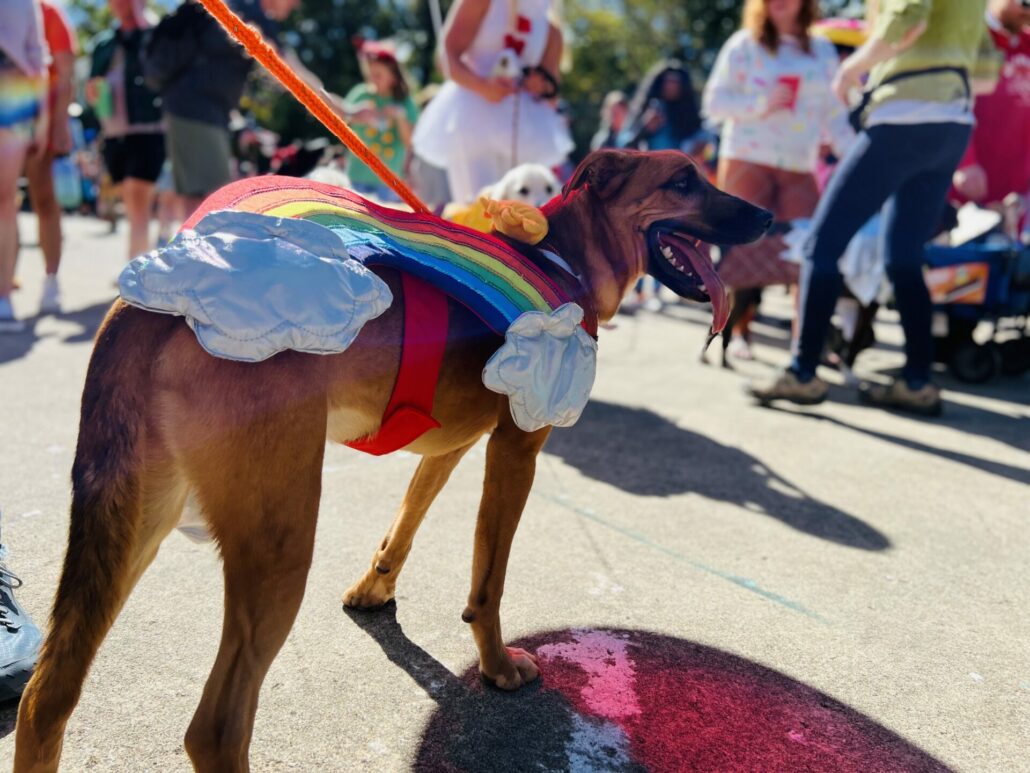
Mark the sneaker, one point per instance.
(19, 637)
(8, 322)
(50, 302)
(925, 401)
(652, 304)
(739, 349)
(787, 386)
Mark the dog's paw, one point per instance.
(518, 668)
(370, 592)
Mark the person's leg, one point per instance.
(138, 197)
(799, 196)
(167, 216)
(877, 164)
(909, 219)
(39, 171)
(12, 159)
(755, 183)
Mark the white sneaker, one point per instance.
(739, 348)
(50, 302)
(8, 322)
(653, 304)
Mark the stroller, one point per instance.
(984, 280)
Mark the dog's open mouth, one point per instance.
(681, 263)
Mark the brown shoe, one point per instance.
(787, 386)
(925, 401)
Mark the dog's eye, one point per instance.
(523, 191)
(549, 190)
(682, 184)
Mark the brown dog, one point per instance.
(162, 418)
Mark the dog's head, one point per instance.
(533, 184)
(654, 210)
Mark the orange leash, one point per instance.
(256, 46)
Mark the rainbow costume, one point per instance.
(275, 263)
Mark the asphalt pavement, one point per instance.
(710, 585)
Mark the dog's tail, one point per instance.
(105, 515)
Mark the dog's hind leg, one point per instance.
(378, 584)
(258, 485)
(510, 468)
(741, 303)
(100, 571)
(126, 497)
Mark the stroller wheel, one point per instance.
(975, 363)
(1015, 356)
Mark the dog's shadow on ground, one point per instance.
(659, 458)
(627, 700)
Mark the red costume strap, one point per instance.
(409, 414)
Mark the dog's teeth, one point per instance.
(703, 288)
(667, 252)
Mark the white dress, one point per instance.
(477, 141)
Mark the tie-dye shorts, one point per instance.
(19, 98)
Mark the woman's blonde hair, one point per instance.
(756, 20)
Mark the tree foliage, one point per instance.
(610, 45)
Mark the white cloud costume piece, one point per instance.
(251, 285)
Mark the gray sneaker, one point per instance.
(19, 637)
(787, 386)
(898, 394)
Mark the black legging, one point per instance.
(906, 170)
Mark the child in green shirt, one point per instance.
(382, 112)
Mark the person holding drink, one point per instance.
(771, 91)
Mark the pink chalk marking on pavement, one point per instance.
(610, 691)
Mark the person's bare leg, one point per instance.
(138, 196)
(39, 170)
(189, 205)
(168, 217)
(12, 160)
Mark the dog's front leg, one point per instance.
(510, 466)
(378, 584)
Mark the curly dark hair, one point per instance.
(683, 115)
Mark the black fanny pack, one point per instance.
(856, 114)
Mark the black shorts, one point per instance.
(135, 155)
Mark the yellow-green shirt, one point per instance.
(955, 32)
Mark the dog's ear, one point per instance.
(604, 171)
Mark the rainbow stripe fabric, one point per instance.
(496, 282)
(20, 99)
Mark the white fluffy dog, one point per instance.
(534, 184)
(330, 174)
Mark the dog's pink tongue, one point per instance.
(713, 284)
